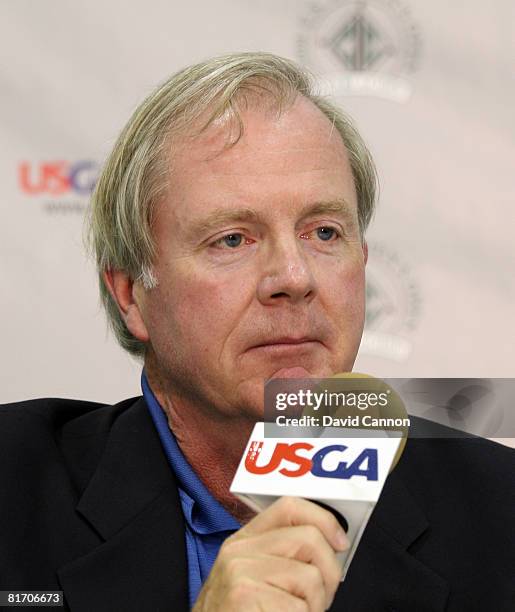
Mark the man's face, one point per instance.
(260, 265)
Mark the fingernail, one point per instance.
(342, 541)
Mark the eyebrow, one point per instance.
(339, 206)
(222, 216)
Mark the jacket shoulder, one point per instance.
(442, 447)
(49, 409)
(53, 412)
(33, 433)
(472, 474)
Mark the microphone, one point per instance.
(342, 469)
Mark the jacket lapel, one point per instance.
(132, 503)
(384, 575)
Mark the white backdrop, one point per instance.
(430, 85)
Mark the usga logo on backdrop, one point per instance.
(326, 462)
(58, 177)
(59, 180)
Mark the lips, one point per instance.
(285, 346)
(287, 356)
(284, 341)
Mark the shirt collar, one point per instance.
(203, 513)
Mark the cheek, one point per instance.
(346, 295)
(194, 314)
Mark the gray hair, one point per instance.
(136, 173)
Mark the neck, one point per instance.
(212, 446)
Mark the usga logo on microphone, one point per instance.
(332, 461)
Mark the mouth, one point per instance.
(287, 356)
(286, 344)
(286, 340)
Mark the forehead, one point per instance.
(300, 127)
(289, 158)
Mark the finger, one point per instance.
(248, 595)
(302, 580)
(294, 511)
(304, 543)
(252, 594)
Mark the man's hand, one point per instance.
(283, 559)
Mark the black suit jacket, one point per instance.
(89, 506)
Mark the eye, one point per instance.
(326, 233)
(231, 241)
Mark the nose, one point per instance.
(287, 277)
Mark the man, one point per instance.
(228, 227)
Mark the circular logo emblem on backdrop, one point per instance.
(361, 47)
(393, 305)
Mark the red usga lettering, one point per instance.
(52, 178)
(282, 451)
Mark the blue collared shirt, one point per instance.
(207, 522)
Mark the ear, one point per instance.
(122, 290)
(365, 252)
